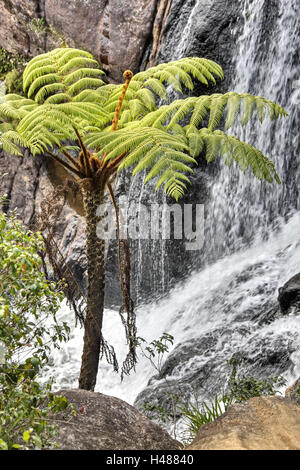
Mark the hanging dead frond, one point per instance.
(108, 351)
(46, 221)
(127, 308)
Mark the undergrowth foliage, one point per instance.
(65, 91)
(27, 302)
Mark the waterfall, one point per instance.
(230, 306)
(242, 207)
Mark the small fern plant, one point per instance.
(95, 129)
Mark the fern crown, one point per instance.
(132, 125)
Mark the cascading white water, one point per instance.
(243, 207)
(212, 298)
(220, 299)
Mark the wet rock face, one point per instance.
(114, 31)
(289, 294)
(16, 34)
(202, 29)
(20, 182)
(108, 423)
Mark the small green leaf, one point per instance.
(26, 436)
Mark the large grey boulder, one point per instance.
(108, 423)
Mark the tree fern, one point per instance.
(95, 129)
(66, 97)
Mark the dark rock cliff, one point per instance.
(114, 31)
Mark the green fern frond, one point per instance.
(232, 149)
(157, 87)
(200, 110)
(84, 84)
(196, 142)
(185, 108)
(64, 70)
(58, 98)
(8, 113)
(6, 126)
(147, 98)
(250, 103)
(76, 63)
(180, 71)
(215, 106)
(35, 69)
(83, 72)
(45, 79)
(19, 101)
(7, 145)
(49, 90)
(66, 93)
(11, 141)
(233, 108)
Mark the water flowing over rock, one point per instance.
(231, 308)
(262, 423)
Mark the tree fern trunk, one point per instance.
(95, 249)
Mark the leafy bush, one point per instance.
(243, 388)
(11, 70)
(28, 327)
(10, 61)
(14, 81)
(38, 25)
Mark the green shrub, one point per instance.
(14, 81)
(243, 388)
(27, 301)
(10, 61)
(38, 25)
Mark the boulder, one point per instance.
(262, 423)
(108, 423)
(289, 294)
(293, 392)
